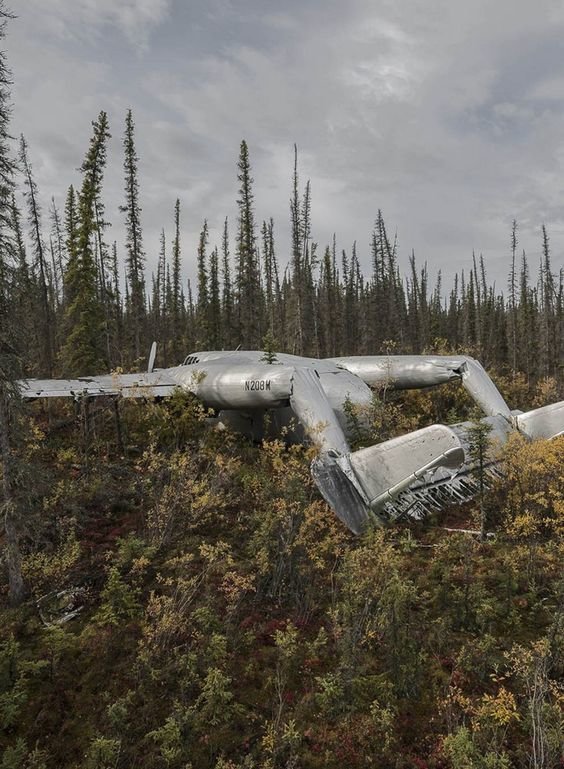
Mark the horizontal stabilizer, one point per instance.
(546, 422)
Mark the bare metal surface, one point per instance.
(546, 422)
(238, 385)
(152, 356)
(309, 398)
(402, 372)
(483, 390)
(310, 404)
(342, 496)
(390, 464)
(143, 385)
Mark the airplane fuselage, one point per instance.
(245, 383)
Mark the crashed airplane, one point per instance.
(405, 476)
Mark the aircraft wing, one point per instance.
(142, 385)
(360, 486)
(404, 372)
(422, 471)
(401, 372)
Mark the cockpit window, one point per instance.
(190, 359)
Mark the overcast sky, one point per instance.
(446, 114)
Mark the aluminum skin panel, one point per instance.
(415, 371)
(396, 463)
(237, 385)
(402, 371)
(340, 386)
(341, 495)
(483, 390)
(311, 406)
(546, 422)
(143, 385)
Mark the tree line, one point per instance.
(77, 316)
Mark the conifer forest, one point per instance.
(175, 597)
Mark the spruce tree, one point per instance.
(168, 315)
(296, 301)
(161, 271)
(248, 282)
(40, 266)
(58, 249)
(94, 166)
(23, 298)
(159, 295)
(117, 309)
(350, 317)
(214, 306)
(512, 300)
(301, 305)
(135, 259)
(71, 224)
(16, 225)
(84, 349)
(202, 307)
(453, 314)
(271, 279)
(382, 288)
(176, 304)
(329, 305)
(309, 263)
(526, 321)
(547, 301)
(188, 339)
(227, 303)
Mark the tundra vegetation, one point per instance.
(230, 620)
(219, 615)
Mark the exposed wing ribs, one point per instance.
(439, 493)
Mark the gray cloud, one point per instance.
(448, 116)
(83, 19)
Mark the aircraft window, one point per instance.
(190, 359)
